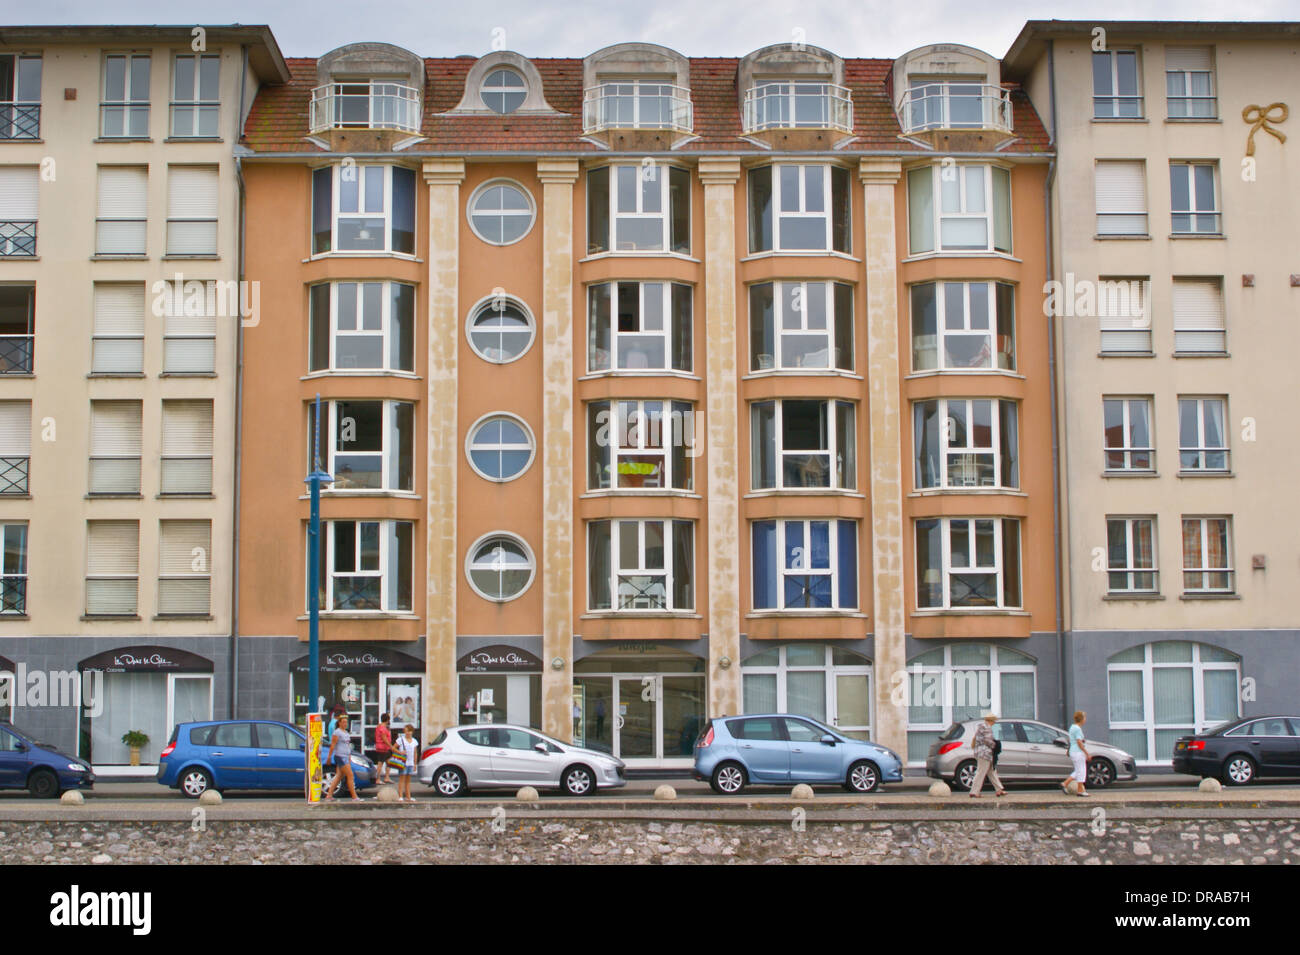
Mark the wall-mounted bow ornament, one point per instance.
(1263, 118)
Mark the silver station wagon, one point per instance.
(1031, 752)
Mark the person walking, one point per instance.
(341, 754)
(984, 746)
(1078, 756)
(383, 748)
(406, 745)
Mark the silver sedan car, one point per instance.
(1031, 752)
(488, 755)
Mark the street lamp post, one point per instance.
(317, 476)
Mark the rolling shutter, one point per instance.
(1198, 316)
(1190, 59)
(1121, 330)
(123, 210)
(184, 558)
(112, 562)
(192, 210)
(115, 447)
(1121, 198)
(15, 429)
(187, 447)
(118, 328)
(189, 344)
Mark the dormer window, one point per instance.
(504, 91)
(636, 86)
(365, 104)
(797, 104)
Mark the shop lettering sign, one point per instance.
(499, 659)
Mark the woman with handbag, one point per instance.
(985, 747)
(404, 752)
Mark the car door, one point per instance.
(13, 761)
(233, 753)
(811, 760)
(1293, 753)
(1013, 759)
(1045, 757)
(281, 759)
(1270, 745)
(763, 747)
(516, 762)
(474, 755)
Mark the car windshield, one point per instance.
(822, 726)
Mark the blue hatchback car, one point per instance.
(27, 763)
(241, 754)
(781, 748)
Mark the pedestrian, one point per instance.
(984, 746)
(341, 754)
(383, 748)
(1078, 756)
(406, 745)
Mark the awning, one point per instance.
(335, 659)
(499, 658)
(147, 660)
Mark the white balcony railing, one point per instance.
(365, 106)
(798, 105)
(636, 105)
(954, 106)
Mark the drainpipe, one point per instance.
(239, 398)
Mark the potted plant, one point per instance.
(135, 739)
(634, 473)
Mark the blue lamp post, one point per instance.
(317, 477)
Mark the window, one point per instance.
(13, 569)
(189, 312)
(1131, 555)
(366, 445)
(1124, 315)
(20, 96)
(973, 213)
(115, 447)
(15, 446)
(1127, 427)
(1161, 691)
(124, 110)
(19, 202)
(959, 326)
(805, 565)
(1198, 317)
(500, 567)
(1189, 82)
(639, 326)
(1202, 434)
(1121, 194)
(363, 209)
(196, 95)
(1193, 198)
(641, 565)
(795, 208)
(366, 566)
(112, 567)
(963, 681)
(503, 91)
(192, 210)
(500, 330)
(967, 562)
(118, 344)
(795, 104)
(123, 210)
(501, 212)
(184, 568)
(17, 328)
(275, 736)
(966, 442)
(500, 447)
(798, 443)
(636, 104)
(365, 104)
(1207, 555)
(648, 207)
(1116, 91)
(186, 463)
(641, 444)
(801, 325)
(362, 326)
(827, 683)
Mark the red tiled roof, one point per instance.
(278, 120)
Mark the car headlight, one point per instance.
(360, 761)
(78, 768)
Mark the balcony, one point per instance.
(17, 238)
(365, 106)
(798, 105)
(930, 106)
(13, 594)
(20, 121)
(16, 354)
(636, 106)
(13, 475)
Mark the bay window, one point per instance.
(968, 563)
(641, 444)
(958, 326)
(638, 565)
(972, 214)
(639, 208)
(805, 565)
(966, 442)
(363, 208)
(366, 566)
(362, 326)
(799, 208)
(802, 443)
(639, 326)
(801, 325)
(365, 445)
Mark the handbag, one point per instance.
(397, 760)
(997, 750)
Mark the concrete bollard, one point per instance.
(526, 794)
(72, 798)
(1072, 787)
(802, 791)
(210, 797)
(386, 794)
(940, 788)
(1210, 785)
(665, 793)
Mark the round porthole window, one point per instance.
(500, 447)
(500, 330)
(503, 91)
(500, 567)
(501, 212)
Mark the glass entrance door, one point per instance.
(637, 717)
(853, 704)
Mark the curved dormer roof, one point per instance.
(790, 60)
(636, 59)
(939, 60)
(371, 60)
(471, 100)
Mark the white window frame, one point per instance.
(208, 221)
(639, 426)
(668, 573)
(1216, 285)
(1110, 215)
(127, 105)
(136, 457)
(779, 331)
(190, 99)
(1131, 568)
(15, 447)
(1187, 98)
(387, 429)
(485, 90)
(1115, 96)
(140, 219)
(361, 171)
(782, 571)
(115, 336)
(13, 577)
(179, 326)
(989, 216)
(1201, 449)
(387, 328)
(617, 337)
(1203, 568)
(942, 331)
(948, 450)
(474, 562)
(642, 174)
(832, 451)
(1126, 449)
(386, 559)
(1128, 330)
(471, 210)
(783, 668)
(996, 570)
(1187, 169)
(778, 201)
(472, 445)
(487, 305)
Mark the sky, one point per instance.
(542, 28)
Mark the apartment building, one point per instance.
(1174, 239)
(651, 388)
(119, 259)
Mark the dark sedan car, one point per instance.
(1237, 753)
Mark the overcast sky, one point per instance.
(861, 28)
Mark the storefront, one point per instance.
(642, 702)
(146, 689)
(827, 683)
(500, 684)
(368, 682)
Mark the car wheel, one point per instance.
(43, 784)
(578, 781)
(1101, 773)
(863, 777)
(964, 778)
(1239, 770)
(728, 779)
(449, 781)
(195, 782)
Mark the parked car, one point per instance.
(780, 748)
(1031, 752)
(486, 755)
(242, 754)
(1241, 751)
(28, 763)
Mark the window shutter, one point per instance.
(112, 550)
(119, 314)
(1188, 58)
(18, 193)
(1198, 316)
(183, 546)
(188, 345)
(115, 447)
(15, 429)
(192, 210)
(187, 447)
(123, 205)
(1120, 331)
(1121, 198)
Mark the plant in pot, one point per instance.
(135, 740)
(634, 473)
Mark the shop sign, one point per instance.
(499, 659)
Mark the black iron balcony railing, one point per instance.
(13, 475)
(13, 594)
(17, 238)
(16, 354)
(20, 120)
